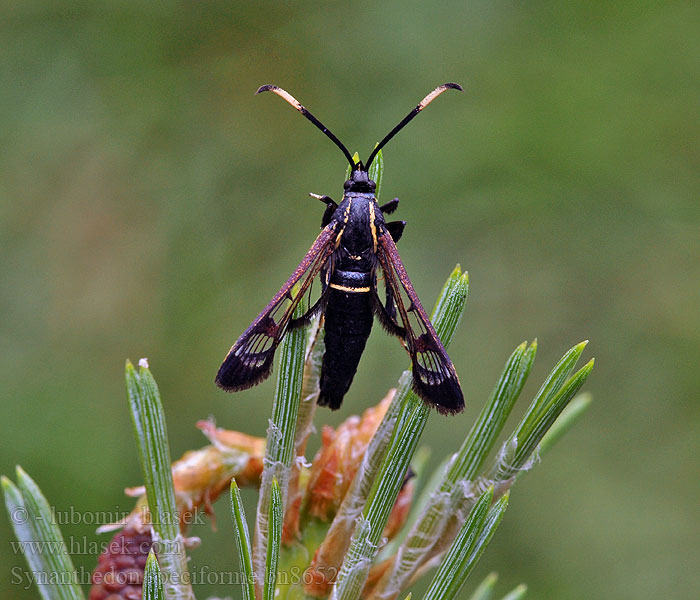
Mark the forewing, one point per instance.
(249, 360)
(434, 376)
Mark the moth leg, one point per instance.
(390, 206)
(331, 205)
(323, 198)
(309, 314)
(325, 273)
(395, 229)
(386, 313)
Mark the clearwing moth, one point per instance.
(355, 244)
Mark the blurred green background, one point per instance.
(151, 206)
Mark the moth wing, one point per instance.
(435, 379)
(249, 360)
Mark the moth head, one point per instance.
(360, 182)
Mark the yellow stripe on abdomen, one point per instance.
(352, 290)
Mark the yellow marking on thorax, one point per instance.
(372, 226)
(344, 288)
(346, 215)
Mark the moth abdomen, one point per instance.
(348, 323)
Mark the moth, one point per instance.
(355, 250)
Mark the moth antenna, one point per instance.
(407, 119)
(287, 97)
